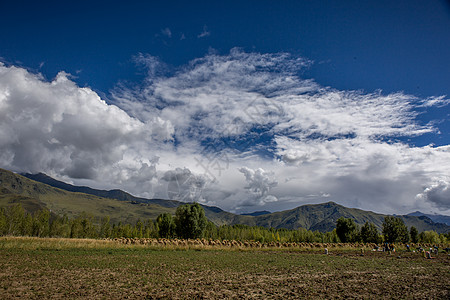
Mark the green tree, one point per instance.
(347, 230)
(394, 230)
(15, 219)
(150, 229)
(59, 227)
(41, 223)
(166, 225)
(105, 227)
(76, 229)
(429, 237)
(3, 221)
(27, 228)
(190, 221)
(369, 233)
(414, 234)
(138, 230)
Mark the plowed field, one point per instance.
(51, 271)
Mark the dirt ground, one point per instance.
(141, 273)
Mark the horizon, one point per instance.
(244, 106)
(265, 211)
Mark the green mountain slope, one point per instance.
(121, 206)
(323, 217)
(112, 194)
(435, 218)
(215, 214)
(35, 195)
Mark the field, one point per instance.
(64, 268)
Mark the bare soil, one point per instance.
(145, 273)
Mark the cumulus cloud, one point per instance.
(242, 131)
(259, 183)
(438, 194)
(60, 128)
(185, 186)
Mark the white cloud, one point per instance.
(59, 128)
(259, 184)
(166, 32)
(438, 194)
(185, 186)
(204, 33)
(221, 117)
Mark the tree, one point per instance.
(429, 237)
(166, 225)
(16, 218)
(41, 223)
(414, 234)
(105, 227)
(190, 221)
(394, 230)
(347, 230)
(369, 233)
(60, 227)
(3, 221)
(138, 229)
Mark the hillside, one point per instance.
(112, 194)
(214, 214)
(34, 195)
(63, 198)
(434, 218)
(323, 217)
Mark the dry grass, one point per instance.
(35, 243)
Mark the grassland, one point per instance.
(64, 268)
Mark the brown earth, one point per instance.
(142, 272)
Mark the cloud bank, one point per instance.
(242, 131)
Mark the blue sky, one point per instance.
(247, 105)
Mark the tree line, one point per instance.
(190, 222)
(394, 230)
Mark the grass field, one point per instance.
(63, 268)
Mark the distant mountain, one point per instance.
(434, 218)
(39, 191)
(214, 214)
(257, 213)
(112, 194)
(323, 217)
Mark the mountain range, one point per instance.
(435, 218)
(37, 191)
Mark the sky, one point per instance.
(244, 105)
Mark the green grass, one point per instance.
(34, 196)
(44, 268)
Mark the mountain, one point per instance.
(214, 214)
(257, 213)
(35, 195)
(323, 217)
(62, 198)
(112, 194)
(434, 218)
